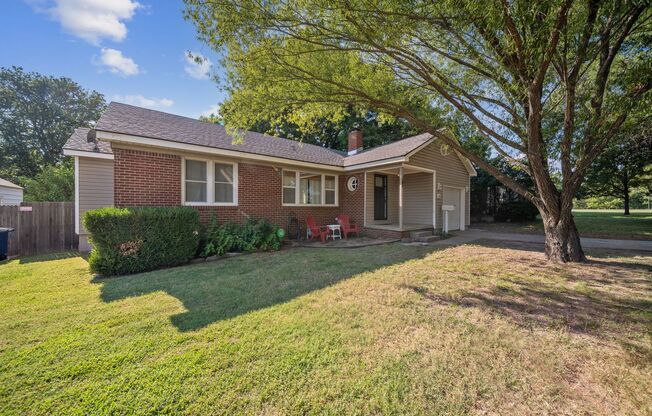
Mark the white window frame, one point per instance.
(297, 188)
(210, 183)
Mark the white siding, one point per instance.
(10, 196)
(95, 186)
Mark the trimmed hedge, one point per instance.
(133, 240)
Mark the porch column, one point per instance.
(400, 198)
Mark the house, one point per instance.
(140, 157)
(10, 194)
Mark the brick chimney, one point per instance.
(355, 141)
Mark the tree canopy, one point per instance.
(546, 83)
(37, 115)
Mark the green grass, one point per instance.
(594, 223)
(389, 329)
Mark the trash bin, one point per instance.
(4, 242)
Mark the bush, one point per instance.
(518, 210)
(252, 236)
(133, 240)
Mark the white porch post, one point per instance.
(434, 200)
(400, 198)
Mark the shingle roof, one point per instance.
(388, 151)
(79, 141)
(137, 121)
(6, 183)
(122, 118)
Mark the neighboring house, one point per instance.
(10, 194)
(140, 157)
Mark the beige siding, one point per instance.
(417, 198)
(450, 172)
(95, 186)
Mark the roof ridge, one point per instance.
(387, 144)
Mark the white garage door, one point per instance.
(452, 197)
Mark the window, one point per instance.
(309, 188)
(329, 190)
(209, 183)
(223, 183)
(289, 187)
(196, 181)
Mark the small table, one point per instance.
(334, 231)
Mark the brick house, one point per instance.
(140, 157)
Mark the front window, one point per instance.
(209, 183)
(223, 183)
(289, 187)
(309, 188)
(196, 180)
(329, 189)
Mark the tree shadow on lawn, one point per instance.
(603, 299)
(228, 288)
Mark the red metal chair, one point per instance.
(316, 231)
(347, 225)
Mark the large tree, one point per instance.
(547, 83)
(621, 167)
(37, 115)
(327, 131)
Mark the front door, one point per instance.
(380, 197)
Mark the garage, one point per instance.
(453, 197)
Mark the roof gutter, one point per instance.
(84, 153)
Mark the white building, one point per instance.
(10, 194)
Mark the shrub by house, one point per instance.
(133, 240)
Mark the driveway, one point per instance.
(462, 237)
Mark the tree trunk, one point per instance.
(626, 191)
(562, 241)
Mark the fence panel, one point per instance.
(40, 227)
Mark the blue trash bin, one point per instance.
(4, 242)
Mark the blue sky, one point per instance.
(130, 51)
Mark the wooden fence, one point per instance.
(40, 227)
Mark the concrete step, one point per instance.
(428, 239)
(420, 233)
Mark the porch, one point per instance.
(404, 198)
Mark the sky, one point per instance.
(132, 51)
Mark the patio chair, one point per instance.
(347, 225)
(316, 231)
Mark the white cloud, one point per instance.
(214, 109)
(118, 63)
(141, 101)
(91, 20)
(197, 65)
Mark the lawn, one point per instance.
(394, 329)
(592, 223)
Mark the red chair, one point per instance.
(316, 231)
(347, 225)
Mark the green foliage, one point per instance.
(53, 183)
(37, 115)
(251, 236)
(133, 240)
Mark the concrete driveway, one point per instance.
(462, 237)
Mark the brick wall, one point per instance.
(145, 178)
